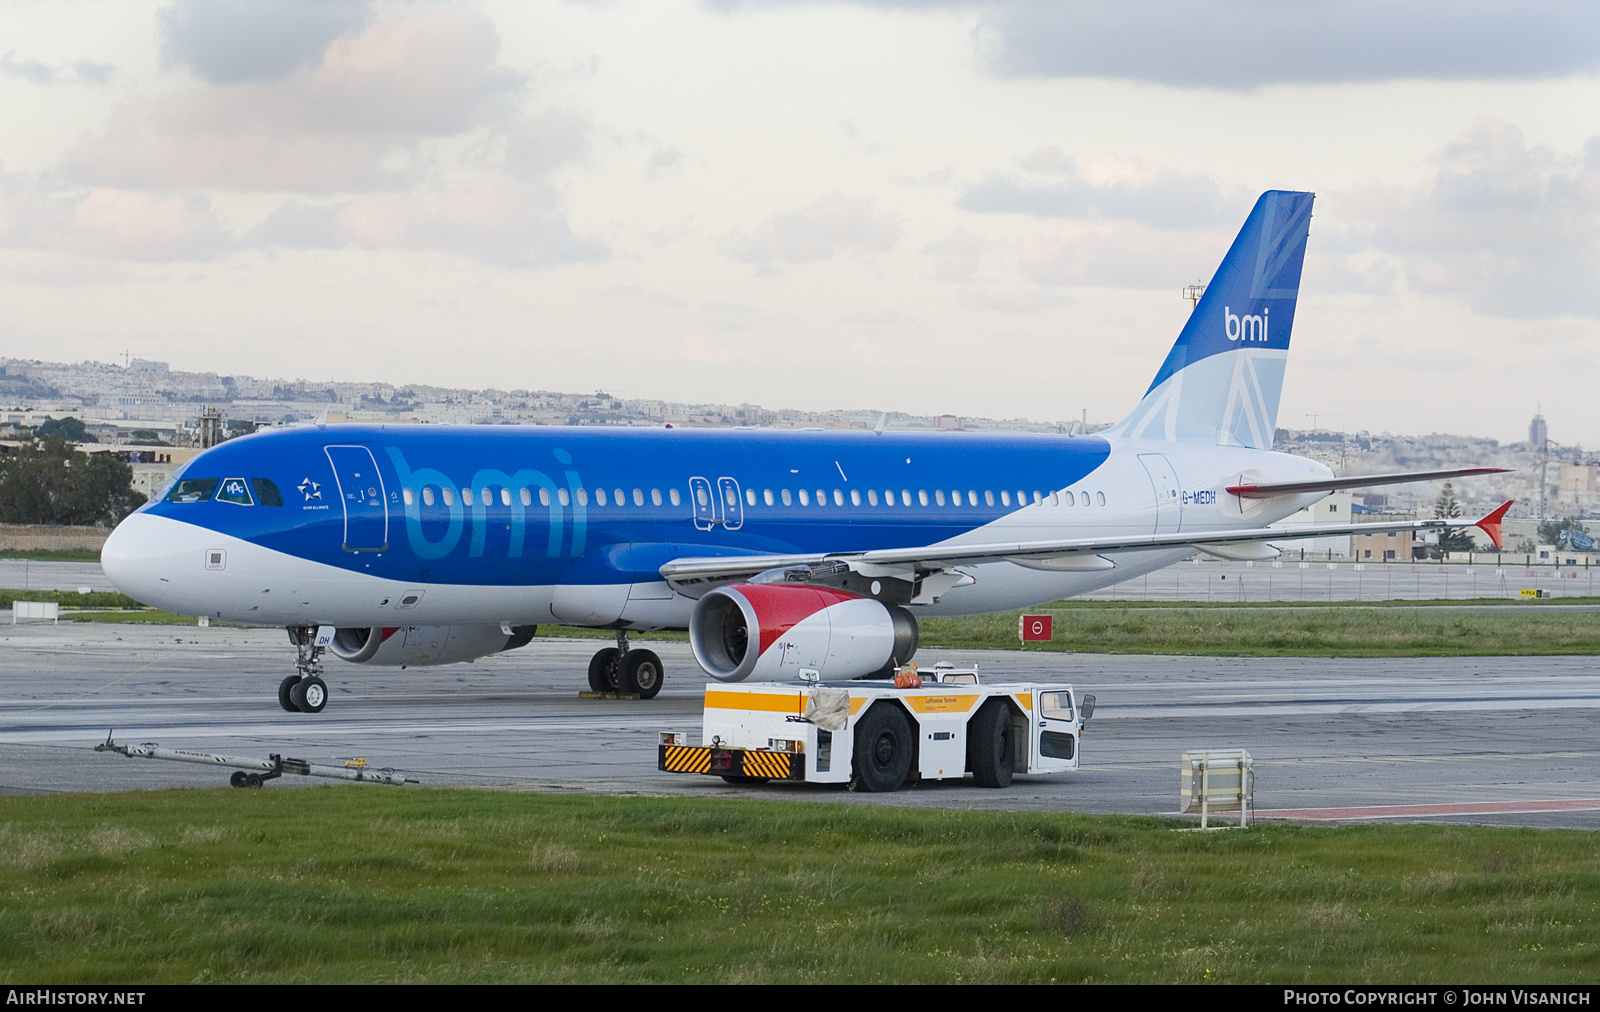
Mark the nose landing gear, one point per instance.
(304, 691)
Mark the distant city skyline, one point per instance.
(972, 207)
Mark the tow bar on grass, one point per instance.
(259, 770)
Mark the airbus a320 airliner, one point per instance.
(780, 552)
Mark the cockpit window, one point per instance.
(267, 493)
(236, 491)
(193, 490)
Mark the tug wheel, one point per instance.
(237, 779)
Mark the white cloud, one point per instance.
(228, 41)
(1511, 230)
(109, 223)
(833, 224)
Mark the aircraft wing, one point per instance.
(941, 556)
(1270, 489)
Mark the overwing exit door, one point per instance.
(366, 512)
(720, 505)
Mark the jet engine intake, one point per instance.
(778, 630)
(404, 646)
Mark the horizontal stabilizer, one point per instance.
(1268, 490)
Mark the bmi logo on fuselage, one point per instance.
(1245, 328)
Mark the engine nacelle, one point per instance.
(425, 644)
(778, 630)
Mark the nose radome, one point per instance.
(142, 556)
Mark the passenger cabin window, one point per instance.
(1055, 499)
(938, 496)
(193, 490)
(1005, 498)
(410, 499)
(988, 497)
(638, 497)
(583, 497)
(427, 495)
(618, 498)
(505, 497)
(236, 491)
(563, 497)
(888, 497)
(855, 497)
(749, 496)
(599, 497)
(1085, 495)
(805, 498)
(486, 496)
(655, 497)
(525, 496)
(677, 500)
(1100, 498)
(267, 493)
(838, 497)
(449, 496)
(1070, 500)
(787, 499)
(922, 496)
(544, 497)
(872, 497)
(768, 498)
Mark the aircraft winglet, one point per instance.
(1490, 524)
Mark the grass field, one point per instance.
(1279, 629)
(355, 884)
(48, 555)
(1284, 631)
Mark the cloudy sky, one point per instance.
(984, 208)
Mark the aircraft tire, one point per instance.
(310, 695)
(285, 699)
(990, 752)
(883, 749)
(640, 672)
(603, 670)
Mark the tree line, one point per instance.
(45, 481)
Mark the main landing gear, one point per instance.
(628, 672)
(304, 691)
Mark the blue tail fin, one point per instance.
(1222, 380)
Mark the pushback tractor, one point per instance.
(877, 735)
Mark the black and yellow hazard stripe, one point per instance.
(685, 759)
(744, 762)
(767, 764)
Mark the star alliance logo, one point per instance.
(310, 489)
